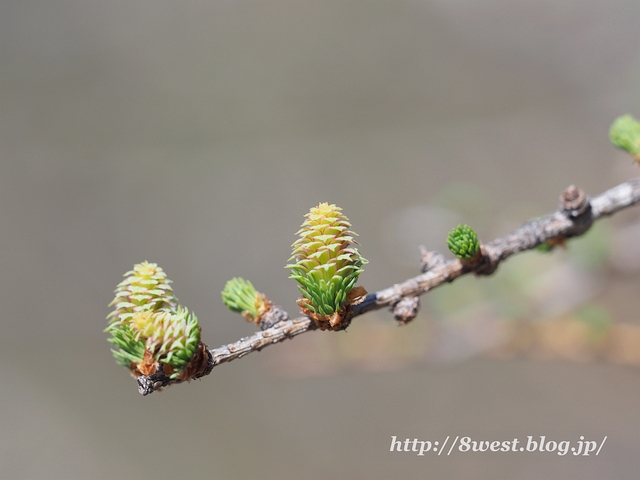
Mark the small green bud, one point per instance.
(463, 242)
(625, 134)
(240, 296)
(326, 264)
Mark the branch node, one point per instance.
(575, 205)
(574, 202)
(482, 263)
(156, 381)
(275, 314)
(406, 309)
(430, 260)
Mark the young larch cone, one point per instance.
(170, 337)
(150, 329)
(326, 266)
(145, 288)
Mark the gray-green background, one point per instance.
(196, 135)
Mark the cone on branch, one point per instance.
(326, 265)
(150, 330)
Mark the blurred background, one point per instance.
(197, 134)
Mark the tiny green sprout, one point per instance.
(463, 242)
(326, 266)
(148, 327)
(551, 244)
(544, 247)
(625, 134)
(240, 296)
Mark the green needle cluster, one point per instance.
(463, 242)
(625, 134)
(240, 296)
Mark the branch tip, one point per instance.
(574, 202)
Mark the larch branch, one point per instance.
(574, 217)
